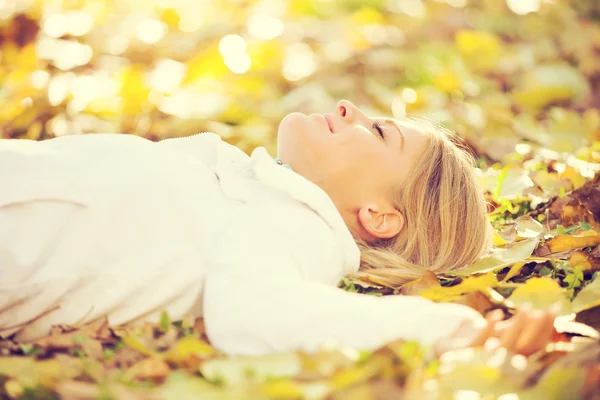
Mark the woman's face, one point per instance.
(354, 158)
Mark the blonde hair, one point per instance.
(446, 225)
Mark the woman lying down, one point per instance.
(118, 226)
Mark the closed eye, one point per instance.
(379, 129)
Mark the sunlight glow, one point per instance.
(523, 7)
(167, 75)
(298, 62)
(518, 362)
(466, 395)
(509, 396)
(39, 79)
(409, 95)
(58, 89)
(151, 31)
(55, 25)
(238, 63)
(117, 44)
(231, 44)
(264, 26)
(190, 102)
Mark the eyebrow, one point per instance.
(395, 125)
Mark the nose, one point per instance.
(348, 111)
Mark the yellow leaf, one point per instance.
(427, 281)
(207, 66)
(31, 372)
(471, 284)
(447, 81)
(187, 347)
(540, 97)
(170, 17)
(549, 84)
(133, 89)
(13, 388)
(285, 389)
(541, 293)
(514, 270)
(265, 56)
(367, 16)
(568, 242)
(498, 240)
(362, 372)
(481, 49)
(135, 343)
(574, 176)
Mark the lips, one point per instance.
(329, 122)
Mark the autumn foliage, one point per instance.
(519, 80)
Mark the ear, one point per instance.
(382, 224)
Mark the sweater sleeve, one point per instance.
(261, 297)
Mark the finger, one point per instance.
(536, 334)
(486, 331)
(511, 334)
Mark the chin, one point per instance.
(291, 130)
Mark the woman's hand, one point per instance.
(527, 332)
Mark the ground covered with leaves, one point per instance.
(518, 80)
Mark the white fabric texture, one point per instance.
(116, 225)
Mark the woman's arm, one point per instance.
(263, 296)
(247, 313)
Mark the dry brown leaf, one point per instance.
(590, 261)
(149, 368)
(590, 317)
(75, 390)
(581, 205)
(78, 338)
(427, 281)
(477, 301)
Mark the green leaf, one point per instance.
(165, 321)
(575, 278)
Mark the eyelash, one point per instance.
(377, 126)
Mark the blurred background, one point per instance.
(510, 76)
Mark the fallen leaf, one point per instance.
(152, 367)
(514, 270)
(541, 293)
(477, 301)
(427, 281)
(588, 297)
(237, 370)
(569, 242)
(589, 261)
(187, 347)
(471, 284)
(75, 390)
(513, 253)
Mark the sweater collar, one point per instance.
(301, 189)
